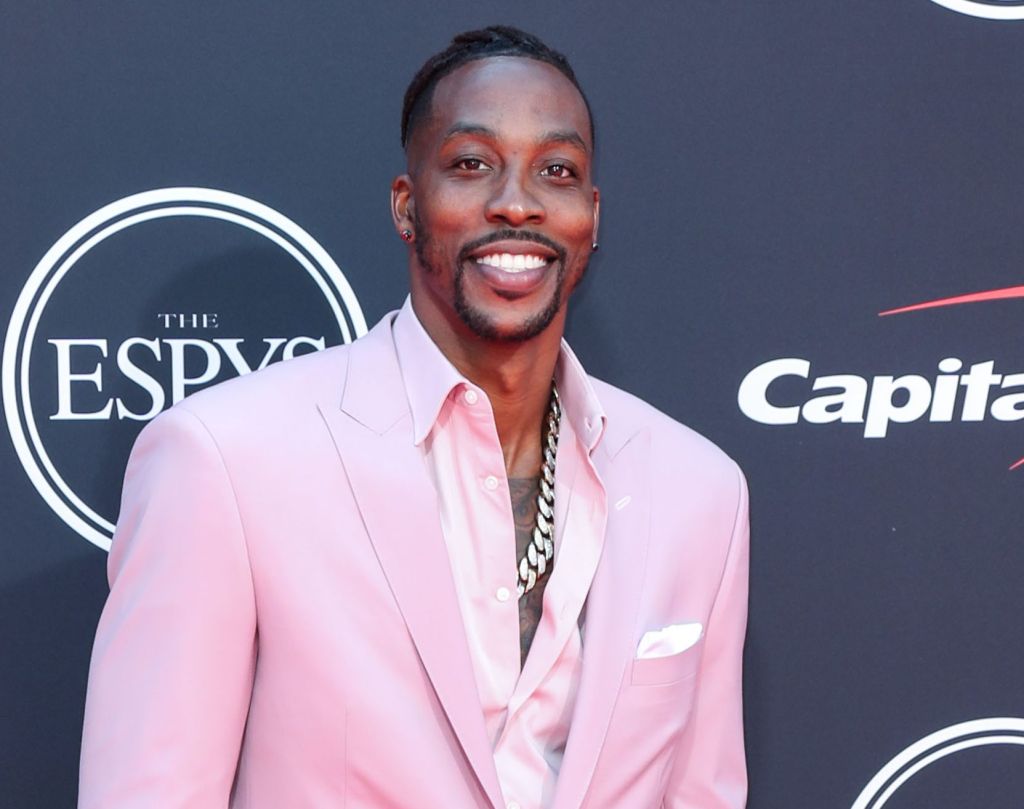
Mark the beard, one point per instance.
(477, 320)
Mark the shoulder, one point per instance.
(296, 386)
(676, 449)
(283, 387)
(259, 410)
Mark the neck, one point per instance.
(516, 377)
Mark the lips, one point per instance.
(512, 262)
(513, 267)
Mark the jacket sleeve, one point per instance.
(172, 665)
(710, 770)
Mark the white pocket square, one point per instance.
(669, 641)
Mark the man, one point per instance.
(440, 566)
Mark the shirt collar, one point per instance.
(429, 378)
(427, 374)
(579, 402)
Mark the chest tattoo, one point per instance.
(524, 513)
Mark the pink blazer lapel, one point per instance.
(372, 430)
(609, 633)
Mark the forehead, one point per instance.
(510, 95)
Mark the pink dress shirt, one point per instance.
(526, 712)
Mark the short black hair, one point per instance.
(495, 40)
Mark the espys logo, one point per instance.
(881, 401)
(933, 748)
(142, 302)
(1008, 10)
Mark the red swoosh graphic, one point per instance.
(973, 297)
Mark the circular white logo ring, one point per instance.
(58, 261)
(942, 743)
(989, 11)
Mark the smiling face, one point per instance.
(500, 199)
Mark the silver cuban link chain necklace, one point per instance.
(541, 551)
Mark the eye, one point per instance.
(560, 171)
(470, 164)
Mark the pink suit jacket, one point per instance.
(283, 632)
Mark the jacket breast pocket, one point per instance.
(667, 670)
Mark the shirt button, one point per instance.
(503, 595)
(491, 482)
(470, 397)
(513, 805)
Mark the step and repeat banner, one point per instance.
(812, 253)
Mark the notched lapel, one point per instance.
(611, 612)
(398, 505)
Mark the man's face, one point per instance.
(501, 197)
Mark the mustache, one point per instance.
(508, 234)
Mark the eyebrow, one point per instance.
(568, 136)
(469, 129)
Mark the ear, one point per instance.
(597, 213)
(402, 210)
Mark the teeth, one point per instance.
(512, 263)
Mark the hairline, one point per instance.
(425, 100)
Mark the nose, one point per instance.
(513, 204)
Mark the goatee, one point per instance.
(476, 320)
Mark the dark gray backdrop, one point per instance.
(773, 176)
